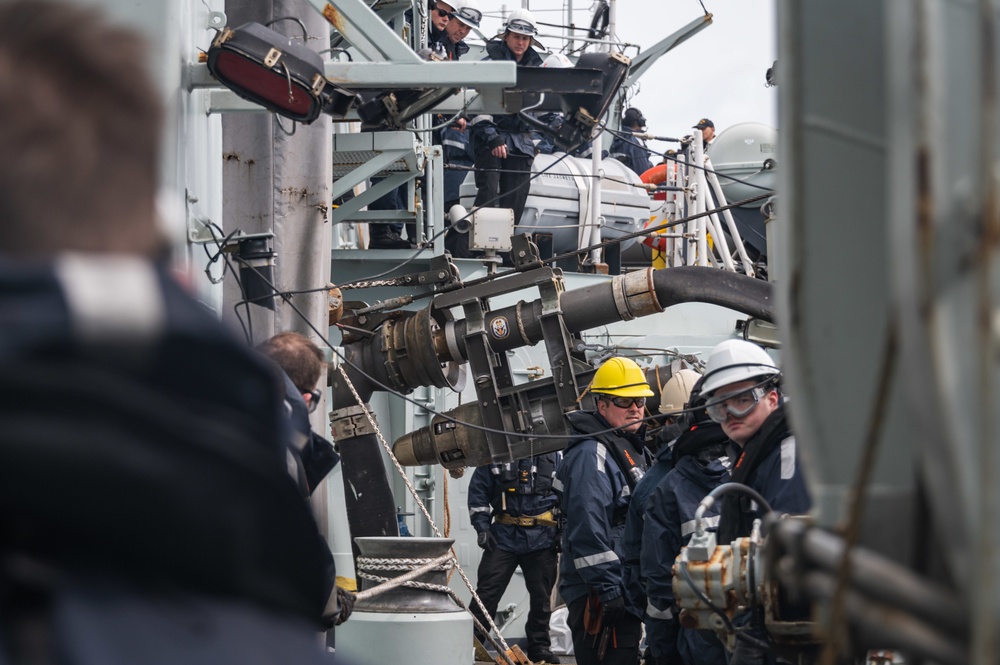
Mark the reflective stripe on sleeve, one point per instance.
(595, 559)
(480, 509)
(112, 297)
(454, 144)
(602, 454)
(481, 118)
(788, 458)
(665, 615)
(690, 525)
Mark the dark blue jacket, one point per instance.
(158, 412)
(634, 522)
(769, 464)
(631, 152)
(520, 489)
(491, 131)
(457, 152)
(669, 524)
(595, 490)
(438, 43)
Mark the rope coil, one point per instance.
(381, 563)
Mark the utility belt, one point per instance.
(547, 518)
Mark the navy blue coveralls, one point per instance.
(768, 463)
(521, 489)
(701, 466)
(631, 151)
(503, 183)
(595, 482)
(634, 523)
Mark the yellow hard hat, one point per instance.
(620, 377)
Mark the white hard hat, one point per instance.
(677, 391)
(468, 12)
(522, 22)
(736, 360)
(557, 60)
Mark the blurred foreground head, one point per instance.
(80, 134)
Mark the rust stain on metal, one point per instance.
(230, 157)
(331, 14)
(292, 192)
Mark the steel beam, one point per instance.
(391, 75)
(365, 31)
(645, 60)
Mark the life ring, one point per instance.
(599, 23)
(656, 175)
(657, 241)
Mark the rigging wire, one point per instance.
(673, 158)
(285, 296)
(392, 391)
(609, 242)
(305, 33)
(464, 217)
(362, 283)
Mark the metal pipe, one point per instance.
(713, 180)
(701, 199)
(879, 578)
(627, 297)
(888, 627)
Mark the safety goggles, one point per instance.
(315, 396)
(469, 16)
(627, 402)
(736, 404)
(522, 28)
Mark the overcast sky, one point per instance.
(718, 73)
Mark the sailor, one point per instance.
(465, 16)
(628, 148)
(513, 508)
(503, 144)
(454, 139)
(599, 472)
(673, 397)
(440, 16)
(301, 362)
(311, 457)
(142, 468)
(742, 387)
(701, 465)
(707, 128)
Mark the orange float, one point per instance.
(657, 176)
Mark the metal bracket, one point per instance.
(350, 422)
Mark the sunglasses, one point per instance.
(627, 402)
(442, 12)
(315, 396)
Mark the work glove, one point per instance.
(613, 611)
(486, 541)
(346, 601)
